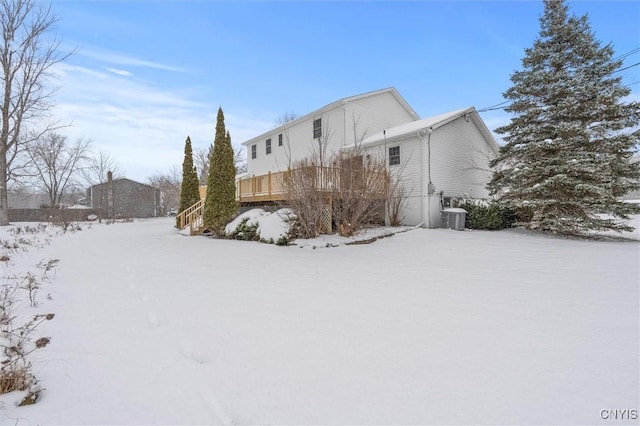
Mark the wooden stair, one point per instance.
(192, 217)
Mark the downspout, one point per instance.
(430, 188)
(422, 135)
(426, 165)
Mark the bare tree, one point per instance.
(202, 156)
(283, 121)
(26, 58)
(56, 163)
(97, 167)
(240, 160)
(320, 145)
(286, 118)
(170, 184)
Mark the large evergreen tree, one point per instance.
(220, 206)
(569, 144)
(190, 189)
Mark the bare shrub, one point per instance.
(356, 191)
(396, 200)
(307, 192)
(30, 283)
(17, 344)
(360, 196)
(17, 337)
(49, 265)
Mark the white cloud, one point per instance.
(123, 60)
(117, 71)
(142, 126)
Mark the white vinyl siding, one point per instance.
(371, 114)
(459, 165)
(460, 160)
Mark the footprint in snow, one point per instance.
(213, 403)
(195, 351)
(152, 318)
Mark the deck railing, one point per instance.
(192, 217)
(272, 186)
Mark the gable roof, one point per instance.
(121, 179)
(415, 127)
(336, 104)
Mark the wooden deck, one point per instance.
(269, 188)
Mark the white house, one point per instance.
(338, 124)
(440, 157)
(434, 158)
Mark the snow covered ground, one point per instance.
(425, 327)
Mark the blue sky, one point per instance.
(148, 73)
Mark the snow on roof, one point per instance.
(416, 126)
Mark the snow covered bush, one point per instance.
(259, 225)
(245, 231)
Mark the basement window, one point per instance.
(394, 155)
(254, 152)
(268, 146)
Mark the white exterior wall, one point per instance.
(410, 173)
(458, 152)
(371, 114)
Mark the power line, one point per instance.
(629, 53)
(499, 106)
(626, 68)
(622, 56)
(492, 107)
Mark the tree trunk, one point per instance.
(4, 201)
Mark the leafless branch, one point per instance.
(56, 163)
(26, 60)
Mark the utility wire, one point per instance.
(492, 107)
(629, 53)
(622, 56)
(626, 68)
(499, 106)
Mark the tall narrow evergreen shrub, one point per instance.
(220, 205)
(189, 190)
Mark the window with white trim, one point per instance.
(280, 139)
(254, 151)
(394, 155)
(268, 146)
(317, 128)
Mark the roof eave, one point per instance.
(332, 105)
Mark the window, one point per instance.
(268, 146)
(254, 152)
(280, 139)
(394, 155)
(317, 128)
